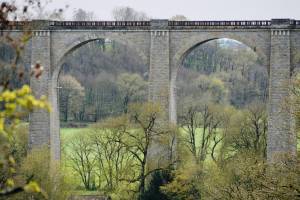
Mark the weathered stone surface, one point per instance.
(39, 129)
(162, 45)
(281, 134)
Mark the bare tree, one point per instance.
(113, 161)
(138, 129)
(128, 14)
(82, 159)
(39, 9)
(82, 15)
(179, 18)
(200, 123)
(248, 130)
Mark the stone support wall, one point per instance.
(163, 44)
(159, 83)
(281, 134)
(39, 129)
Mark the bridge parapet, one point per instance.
(147, 25)
(220, 23)
(99, 24)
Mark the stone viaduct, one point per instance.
(162, 45)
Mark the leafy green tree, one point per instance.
(105, 97)
(52, 182)
(137, 131)
(184, 183)
(247, 176)
(71, 97)
(157, 180)
(133, 89)
(224, 61)
(16, 101)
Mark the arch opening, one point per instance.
(93, 81)
(102, 72)
(218, 81)
(220, 57)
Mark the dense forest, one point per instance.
(99, 80)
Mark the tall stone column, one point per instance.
(54, 120)
(39, 120)
(281, 140)
(159, 79)
(159, 82)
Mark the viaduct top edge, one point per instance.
(151, 24)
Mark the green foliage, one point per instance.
(49, 175)
(19, 142)
(248, 130)
(223, 71)
(82, 159)
(204, 127)
(16, 104)
(106, 69)
(33, 170)
(132, 87)
(112, 156)
(71, 97)
(240, 170)
(158, 179)
(249, 177)
(185, 184)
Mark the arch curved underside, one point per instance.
(259, 42)
(180, 43)
(162, 48)
(63, 44)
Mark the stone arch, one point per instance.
(258, 44)
(57, 60)
(87, 38)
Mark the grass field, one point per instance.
(68, 133)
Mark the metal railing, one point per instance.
(100, 23)
(144, 24)
(220, 23)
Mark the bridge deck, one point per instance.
(145, 25)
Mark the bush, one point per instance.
(50, 178)
(19, 142)
(158, 179)
(185, 184)
(248, 177)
